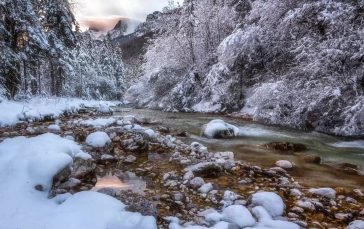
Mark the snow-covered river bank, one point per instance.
(146, 169)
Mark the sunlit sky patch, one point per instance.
(108, 12)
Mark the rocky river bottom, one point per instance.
(158, 164)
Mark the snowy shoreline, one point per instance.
(189, 178)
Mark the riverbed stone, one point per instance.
(284, 164)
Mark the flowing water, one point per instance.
(247, 147)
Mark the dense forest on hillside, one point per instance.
(294, 63)
(44, 53)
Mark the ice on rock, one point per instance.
(98, 139)
(29, 162)
(219, 129)
(265, 220)
(324, 192)
(272, 202)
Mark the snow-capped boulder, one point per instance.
(219, 129)
(238, 215)
(284, 164)
(54, 128)
(98, 139)
(356, 224)
(272, 202)
(266, 221)
(324, 192)
(105, 110)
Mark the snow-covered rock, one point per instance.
(284, 164)
(219, 129)
(324, 192)
(238, 215)
(29, 162)
(266, 221)
(96, 123)
(98, 139)
(356, 224)
(205, 188)
(272, 202)
(54, 128)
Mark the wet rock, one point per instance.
(196, 183)
(306, 204)
(206, 169)
(343, 216)
(349, 168)
(285, 146)
(284, 164)
(82, 168)
(71, 183)
(205, 188)
(39, 187)
(312, 159)
(130, 159)
(230, 196)
(295, 192)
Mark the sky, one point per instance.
(108, 12)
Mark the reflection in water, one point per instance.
(120, 182)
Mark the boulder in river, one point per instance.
(285, 146)
(219, 129)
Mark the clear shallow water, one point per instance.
(247, 147)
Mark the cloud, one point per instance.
(135, 9)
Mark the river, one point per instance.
(248, 147)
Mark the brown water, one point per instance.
(247, 147)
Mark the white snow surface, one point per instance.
(96, 123)
(98, 139)
(272, 202)
(12, 112)
(27, 162)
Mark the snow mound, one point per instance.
(98, 139)
(54, 127)
(272, 202)
(27, 162)
(96, 123)
(39, 108)
(238, 215)
(266, 221)
(219, 129)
